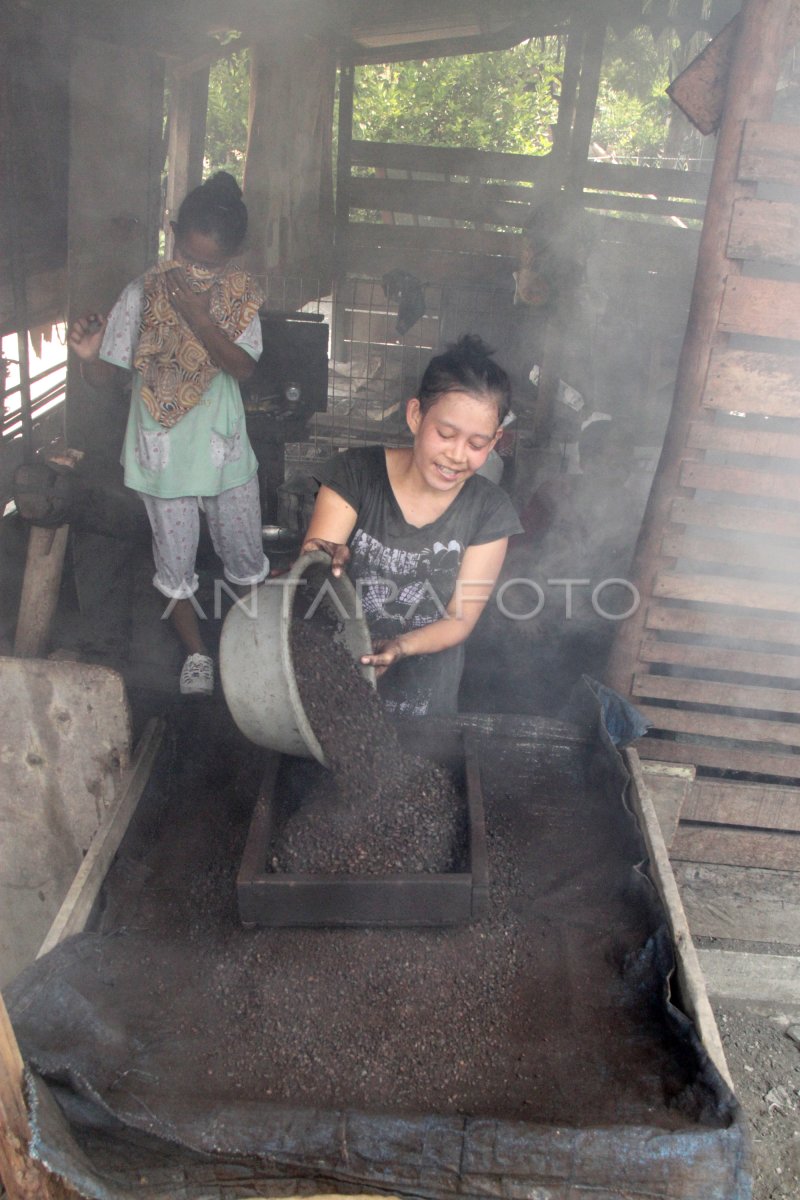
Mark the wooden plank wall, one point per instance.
(455, 218)
(719, 666)
(455, 215)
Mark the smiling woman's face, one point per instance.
(453, 438)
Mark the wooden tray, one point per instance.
(455, 898)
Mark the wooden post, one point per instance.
(23, 1179)
(40, 588)
(343, 166)
(572, 155)
(760, 48)
(288, 182)
(115, 160)
(188, 110)
(591, 71)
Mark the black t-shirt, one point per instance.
(406, 575)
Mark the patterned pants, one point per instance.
(234, 522)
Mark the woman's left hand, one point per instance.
(192, 306)
(385, 653)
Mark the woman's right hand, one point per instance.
(338, 553)
(86, 336)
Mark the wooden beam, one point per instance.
(710, 515)
(188, 106)
(23, 1178)
(722, 725)
(721, 658)
(718, 695)
(772, 980)
(741, 438)
(761, 307)
(767, 555)
(669, 787)
(721, 589)
(79, 900)
(40, 587)
(747, 903)
(753, 382)
(690, 976)
(720, 756)
(431, 238)
(741, 481)
(738, 847)
(756, 805)
(716, 624)
(454, 201)
(666, 182)
(448, 160)
(770, 153)
(765, 231)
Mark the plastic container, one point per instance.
(255, 654)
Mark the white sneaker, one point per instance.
(197, 676)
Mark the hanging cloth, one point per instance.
(175, 366)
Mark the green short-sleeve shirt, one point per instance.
(207, 451)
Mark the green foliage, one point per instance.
(501, 100)
(633, 110)
(508, 100)
(226, 128)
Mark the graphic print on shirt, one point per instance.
(403, 589)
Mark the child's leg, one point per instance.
(234, 522)
(176, 531)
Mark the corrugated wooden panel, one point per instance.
(722, 725)
(417, 237)
(757, 555)
(449, 160)
(757, 805)
(652, 181)
(719, 695)
(761, 307)
(738, 847)
(686, 210)
(753, 382)
(721, 658)
(765, 231)
(741, 481)
(723, 756)
(753, 904)
(454, 201)
(711, 622)
(770, 153)
(723, 589)
(709, 515)
(744, 440)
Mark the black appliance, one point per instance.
(289, 384)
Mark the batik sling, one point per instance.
(175, 366)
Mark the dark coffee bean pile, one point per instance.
(380, 810)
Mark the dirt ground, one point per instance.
(763, 1057)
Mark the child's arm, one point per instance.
(193, 307)
(85, 339)
(480, 568)
(332, 522)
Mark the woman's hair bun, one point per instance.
(472, 348)
(466, 366)
(222, 186)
